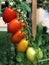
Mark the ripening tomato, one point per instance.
(40, 53)
(9, 14)
(22, 45)
(31, 54)
(14, 25)
(16, 37)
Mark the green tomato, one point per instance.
(31, 54)
(40, 53)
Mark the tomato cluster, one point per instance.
(14, 26)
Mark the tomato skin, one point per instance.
(14, 26)
(22, 45)
(16, 37)
(9, 14)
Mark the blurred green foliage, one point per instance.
(7, 52)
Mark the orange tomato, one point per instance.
(22, 45)
(14, 25)
(16, 37)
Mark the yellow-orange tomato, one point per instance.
(22, 45)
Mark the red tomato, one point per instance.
(9, 14)
(14, 25)
(16, 37)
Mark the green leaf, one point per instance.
(19, 56)
(40, 27)
(25, 6)
(0, 13)
(40, 41)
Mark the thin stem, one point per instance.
(43, 60)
